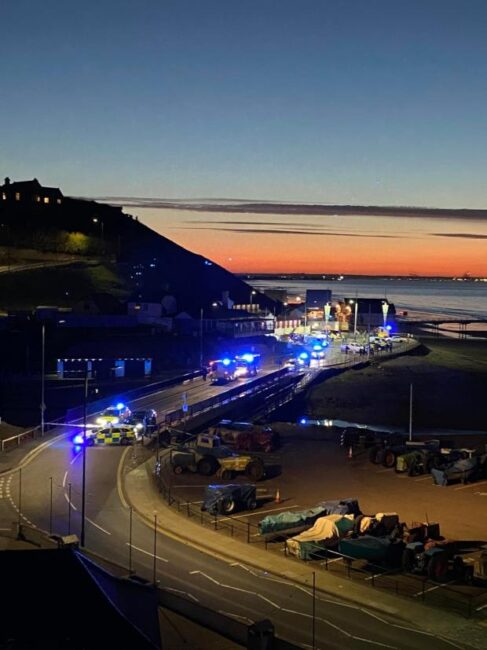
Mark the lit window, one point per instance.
(17, 196)
(58, 201)
(4, 196)
(46, 199)
(38, 199)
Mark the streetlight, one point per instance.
(354, 302)
(43, 379)
(252, 293)
(201, 337)
(96, 220)
(385, 309)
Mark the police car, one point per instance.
(114, 435)
(113, 415)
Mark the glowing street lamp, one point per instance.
(385, 309)
(355, 303)
(327, 311)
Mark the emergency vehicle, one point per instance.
(114, 415)
(116, 435)
(247, 365)
(223, 371)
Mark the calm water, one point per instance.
(446, 298)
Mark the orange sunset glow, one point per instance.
(358, 245)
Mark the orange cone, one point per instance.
(278, 497)
(350, 452)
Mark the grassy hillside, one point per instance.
(62, 286)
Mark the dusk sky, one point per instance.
(376, 102)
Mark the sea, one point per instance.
(421, 298)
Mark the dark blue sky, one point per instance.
(346, 101)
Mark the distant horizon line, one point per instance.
(338, 277)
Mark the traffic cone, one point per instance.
(278, 497)
(350, 452)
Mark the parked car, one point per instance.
(144, 420)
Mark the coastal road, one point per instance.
(232, 588)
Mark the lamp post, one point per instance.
(201, 337)
(252, 294)
(100, 221)
(43, 364)
(385, 309)
(83, 470)
(355, 303)
(327, 311)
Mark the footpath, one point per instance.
(140, 492)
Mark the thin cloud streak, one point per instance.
(460, 235)
(270, 231)
(262, 207)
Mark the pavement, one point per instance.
(140, 492)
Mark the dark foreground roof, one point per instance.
(59, 599)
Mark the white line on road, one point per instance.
(75, 458)
(244, 619)
(97, 526)
(180, 591)
(481, 607)
(70, 502)
(64, 479)
(423, 478)
(141, 550)
(433, 588)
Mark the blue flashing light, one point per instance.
(303, 355)
(317, 347)
(388, 328)
(248, 357)
(120, 406)
(226, 362)
(302, 421)
(78, 439)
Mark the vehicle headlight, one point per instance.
(99, 420)
(139, 426)
(115, 420)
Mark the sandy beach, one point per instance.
(449, 378)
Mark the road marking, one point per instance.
(376, 575)
(481, 494)
(260, 512)
(64, 479)
(180, 591)
(141, 550)
(465, 487)
(423, 478)
(478, 609)
(75, 458)
(70, 502)
(244, 619)
(433, 588)
(97, 526)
